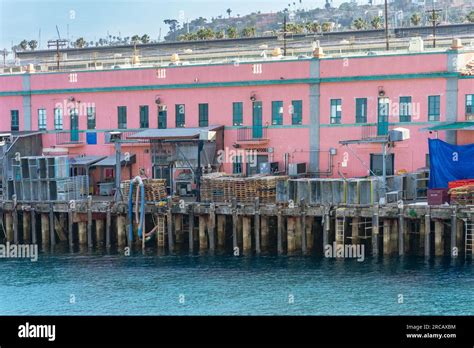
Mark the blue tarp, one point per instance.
(449, 162)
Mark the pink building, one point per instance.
(287, 110)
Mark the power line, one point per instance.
(434, 21)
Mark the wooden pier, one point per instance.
(245, 229)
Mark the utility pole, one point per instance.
(284, 34)
(433, 19)
(59, 43)
(5, 54)
(387, 45)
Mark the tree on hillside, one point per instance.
(145, 38)
(376, 22)
(172, 23)
(33, 44)
(313, 27)
(326, 27)
(23, 45)
(249, 32)
(470, 17)
(136, 39)
(359, 24)
(415, 19)
(205, 34)
(229, 11)
(232, 33)
(80, 43)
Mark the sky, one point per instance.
(93, 19)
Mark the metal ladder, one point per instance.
(340, 224)
(468, 236)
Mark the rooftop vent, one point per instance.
(416, 44)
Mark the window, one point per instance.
(277, 112)
(433, 107)
(91, 118)
(122, 117)
(203, 115)
(376, 163)
(469, 104)
(237, 165)
(361, 110)
(58, 119)
(144, 116)
(297, 112)
(237, 114)
(162, 117)
(15, 120)
(336, 111)
(405, 109)
(42, 119)
(180, 115)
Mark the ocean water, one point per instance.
(104, 284)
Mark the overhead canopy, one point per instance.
(110, 161)
(85, 160)
(173, 133)
(451, 126)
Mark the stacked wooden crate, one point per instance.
(155, 190)
(462, 195)
(266, 188)
(207, 182)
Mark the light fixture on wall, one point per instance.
(253, 97)
(381, 91)
(71, 99)
(157, 100)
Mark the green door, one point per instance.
(383, 112)
(74, 119)
(257, 127)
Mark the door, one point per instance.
(383, 113)
(163, 172)
(74, 128)
(376, 163)
(257, 126)
(253, 164)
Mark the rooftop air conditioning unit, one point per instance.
(295, 169)
(416, 44)
(399, 134)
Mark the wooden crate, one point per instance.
(155, 190)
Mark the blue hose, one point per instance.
(142, 208)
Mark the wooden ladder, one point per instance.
(160, 233)
(468, 236)
(340, 225)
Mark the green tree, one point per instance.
(326, 27)
(24, 45)
(229, 11)
(232, 33)
(359, 24)
(80, 42)
(136, 39)
(205, 34)
(172, 23)
(376, 22)
(313, 27)
(145, 38)
(470, 17)
(249, 32)
(220, 34)
(415, 19)
(33, 44)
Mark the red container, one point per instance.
(459, 183)
(438, 196)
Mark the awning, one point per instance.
(85, 160)
(110, 161)
(173, 133)
(451, 126)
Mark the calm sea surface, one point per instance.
(101, 284)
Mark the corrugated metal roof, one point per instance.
(85, 160)
(451, 126)
(173, 133)
(109, 161)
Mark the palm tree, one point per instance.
(136, 39)
(313, 27)
(359, 24)
(229, 11)
(249, 32)
(145, 38)
(220, 34)
(205, 34)
(33, 44)
(376, 22)
(326, 27)
(80, 42)
(470, 17)
(415, 19)
(232, 33)
(24, 45)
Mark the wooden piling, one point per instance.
(386, 237)
(247, 237)
(191, 230)
(26, 227)
(82, 228)
(427, 235)
(375, 233)
(309, 233)
(304, 245)
(291, 226)
(52, 233)
(33, 226)
(394, 237)
(439, 238)
(9, 226)
(326, 229)
(453, 244)
(401, 234)
(264, 233)
(460, 231)
(45, 231)
(298, 233)
(202, 233)
(235, 245)
(257, 233)
(59, 227)
(70, 223)
(279, 232)
(355, 230)
(221, 232)
(99, 232)
(178, 228)
(121, 230)
(169, 220)
(108, 224)
(89, 227)
(16, 232)
(211, 228)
